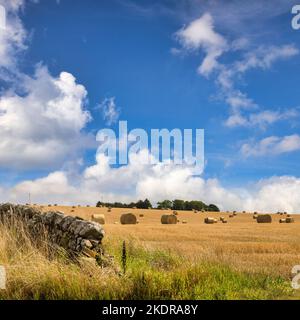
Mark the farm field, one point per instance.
(241, 243)
(238, 260)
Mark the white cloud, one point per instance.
(275, 194)
(42, 127)
(261, 58)
(200, 34)
(238, 100)
(157, 182)
(264, 57)
(261, 119)
(41, 116)
(12, 38)
(110, 110)
(271, 146)
(127, 183)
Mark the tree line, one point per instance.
(140, 204)
(176, 204)
(186, 205)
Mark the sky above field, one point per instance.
(70, 68)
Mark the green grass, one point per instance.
(150, 274)
(157, 274)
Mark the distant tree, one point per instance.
(195, 205)
(99, 204)
(178, 204)
(143, 204)
(166, 204)
(147, 204)
(213, 207)
(131, 205)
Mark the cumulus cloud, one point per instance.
(275, 194)
(200, 34)
(42, 127)
(156, 182)
(41, 116)
(13, 37)
(127, 183)
(271, 146)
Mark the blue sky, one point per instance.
(232, 69)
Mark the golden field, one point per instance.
(238, 260)
(242, 243)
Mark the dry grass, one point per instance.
(36, 270)
(242, 243)
(238, 260)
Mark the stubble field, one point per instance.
(242, 243)
(238, 260)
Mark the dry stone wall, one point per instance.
(75, 235)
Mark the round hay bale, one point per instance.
(109, 210)
(289, 220)
(231, 216)
(175, 213)
(282, 221)
(184, 221)
(222, 218)
(264, 218)
(168, 219)
(128, 218)
(141, 215)
(224, 221)
(210, 220)
(99, 218)
(255, 216)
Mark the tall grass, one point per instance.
(36, 270)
